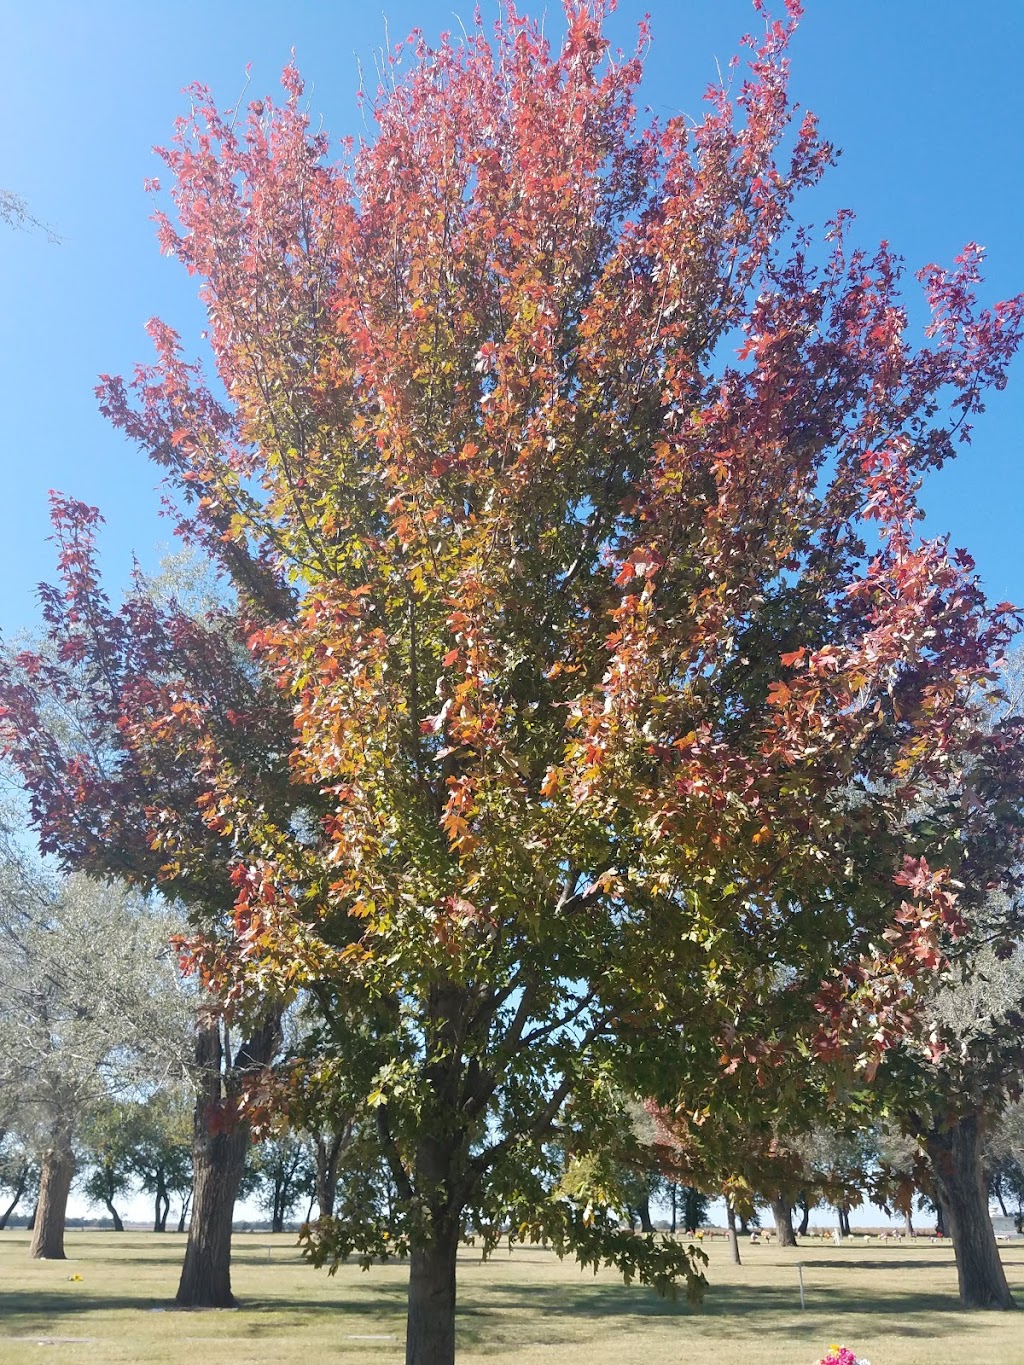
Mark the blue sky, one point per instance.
(921, 95)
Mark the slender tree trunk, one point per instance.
(644, 1212)
(58, 1169)
(220, 1144)
(327, 1155)
(162, 1205)
(909, 1223)
(186, 1201)
(674, 1199)
(19, 1190)
(430, 1337)
(805, 1220)
(115, 1217)
(734, 1242)
(783, 1215)
(997, 1190)
(955, 1156)
(33, 1215)
(844, 1219)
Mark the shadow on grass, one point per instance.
(54, 1304)
(538, 1314)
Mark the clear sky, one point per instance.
(922, 95)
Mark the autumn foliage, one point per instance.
(572, 489)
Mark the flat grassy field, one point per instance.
(894, 1304)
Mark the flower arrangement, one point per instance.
(842, 1355)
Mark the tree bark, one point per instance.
(909, 1223)
(219, 1161)
(430, 1336)
(220, 1144)
(955, 1157)
(643, 1210)
(734, 1243)
(58, 1169)
(783, 1215)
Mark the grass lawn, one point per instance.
(895, 1304)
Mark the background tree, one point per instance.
(90, 1006)
(161, 1150)
(106, 1149)
(19, 1175)
(283, 1175)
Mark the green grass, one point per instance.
(895, 1304)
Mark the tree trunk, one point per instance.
(114, 1215)
(734, 1243)
(19, 1190)
(58, 1169)
(783, 1215)
(643, 1209)
(997, 1190)
(327, 1155)
(909, 1223)
(32, 1216)
(805, 1220)
(844, 1220)
(430, 1335)
(675, 1188)
(184, 1211)
(955, 1156)
(220, 1144)
(161, 1204)
(219, 1161)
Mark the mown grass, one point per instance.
(894, 1304)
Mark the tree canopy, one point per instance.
(570, 488)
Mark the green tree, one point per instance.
(283, 1175)
(161, 1151)
(106, 1147)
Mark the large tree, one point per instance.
(617, 658)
